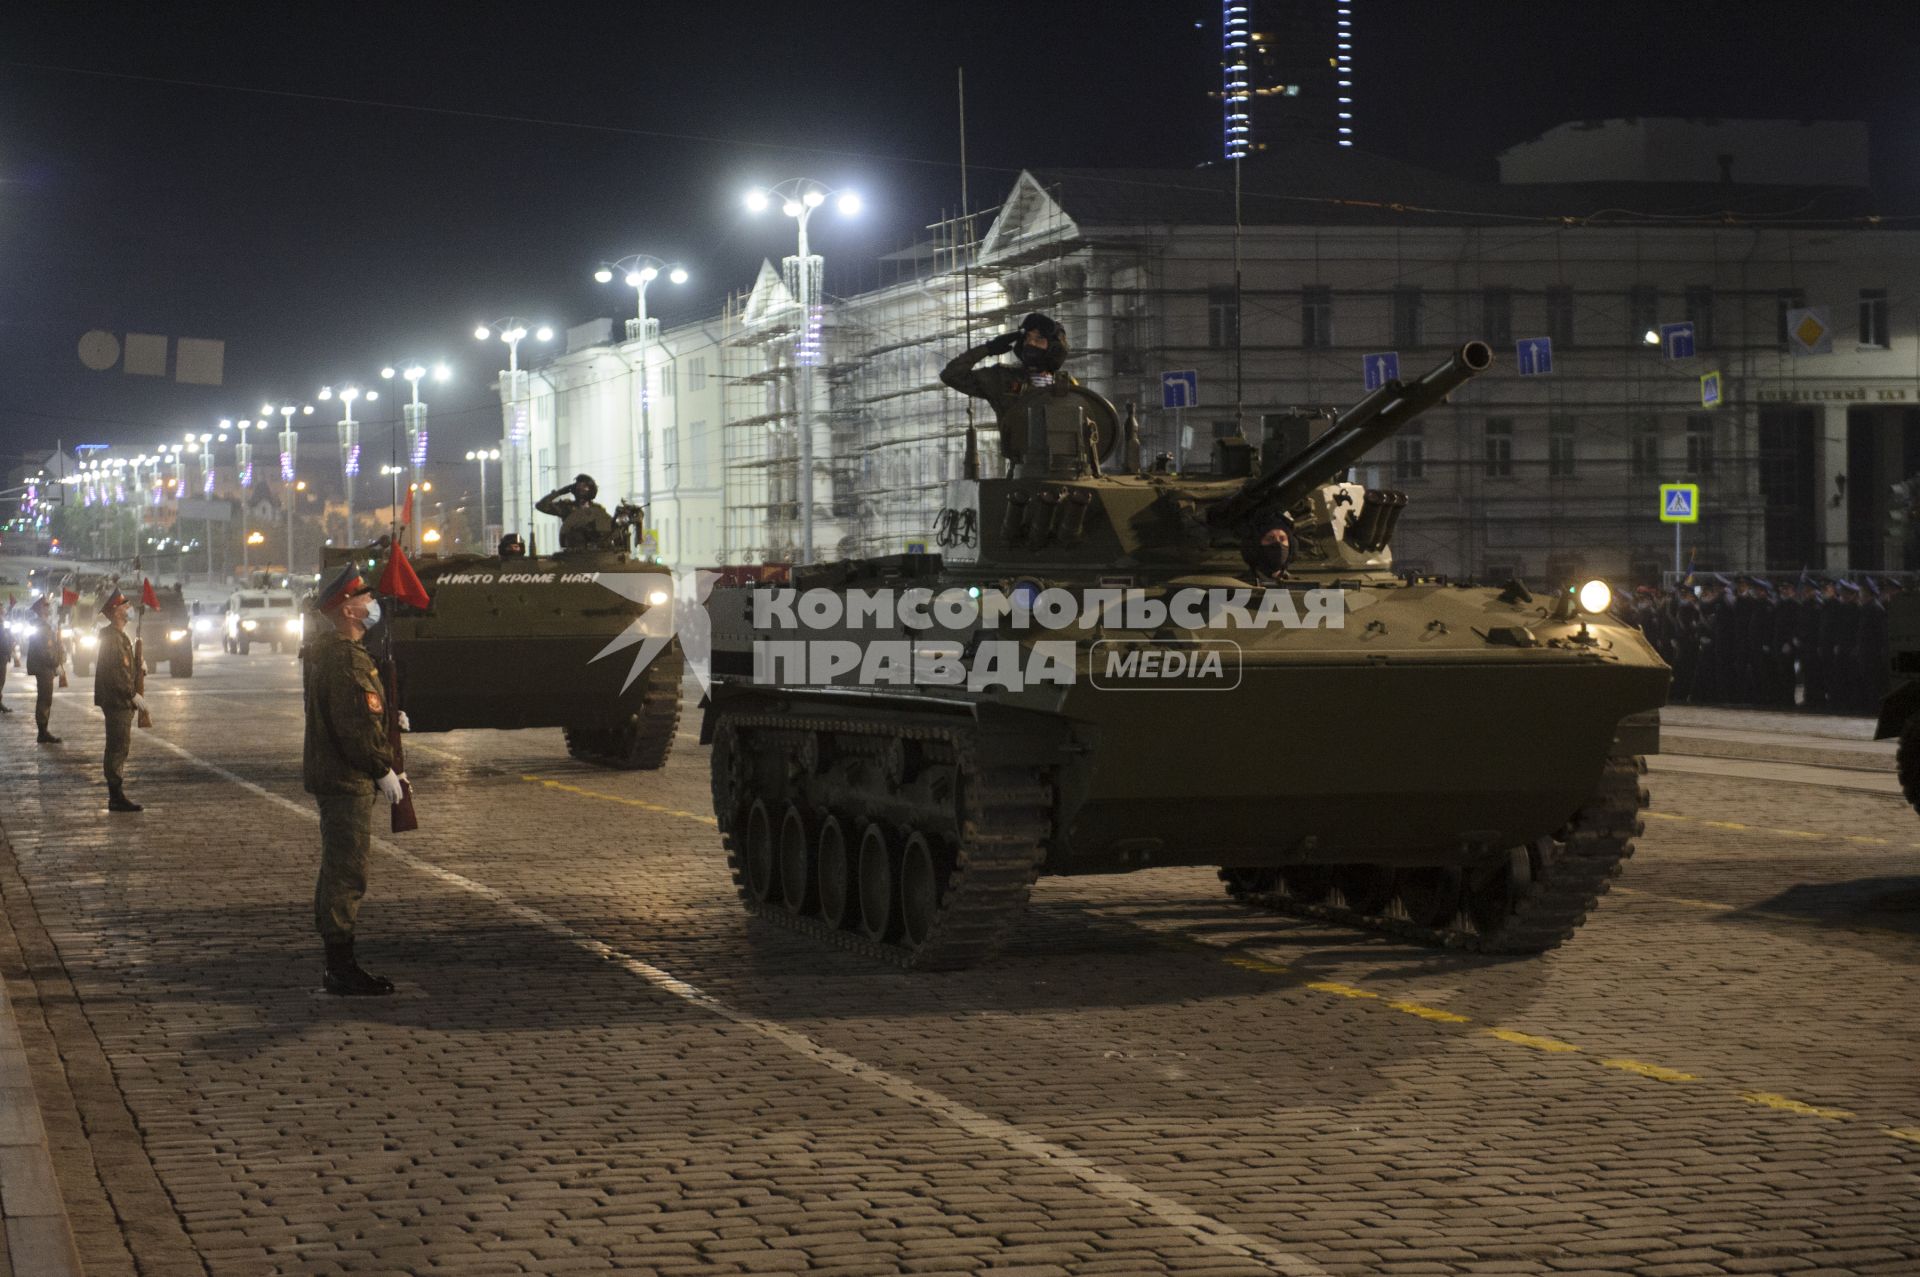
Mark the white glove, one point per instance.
(140, 702)
(405, 726)
(391, 787)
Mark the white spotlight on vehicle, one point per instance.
(1596, 596)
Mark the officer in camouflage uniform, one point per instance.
(1041, 345)
(346, 762)
(114, 679)
(584, 522)
(45, 655)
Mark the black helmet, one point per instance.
(1035, 358)
(586, 481)
(511, 546)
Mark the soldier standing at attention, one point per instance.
(6, 654)
(346, 761)
(584, 522)
(113, 683)
(45, 656)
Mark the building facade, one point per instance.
(1340, 256)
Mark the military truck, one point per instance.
(167, 634)
(1452, 764)
(581, 640)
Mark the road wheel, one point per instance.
(839, 902)
(762, 879)
(879, 909)
(1367, 888)
(1431, 896)
(925, 868)
(798, 886)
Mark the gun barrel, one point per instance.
(1361, 428)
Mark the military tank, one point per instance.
(538, 642)
(1453, 764)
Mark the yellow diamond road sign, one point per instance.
(1811, 331)
(1679, 503)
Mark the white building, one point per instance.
(1340, 255)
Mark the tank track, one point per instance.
(1907, 761)
(1541, 896)
(1001, 824)
(645, 742)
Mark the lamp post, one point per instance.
(415, 414)
(484, 455)
(289, 461)
(349, 441)
(639, 270)
(798, 198)
(513, 330)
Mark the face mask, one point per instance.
(1036, 359)
(1270, 560)
(373, 614)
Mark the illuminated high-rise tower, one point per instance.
(1287, 73)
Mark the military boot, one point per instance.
(346, 979)
(117, 800)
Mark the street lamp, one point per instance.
(639, 270)
(349, 439)
(484, 455)
(412, 372)
(289, 458)
(798, 198)
(513, 330)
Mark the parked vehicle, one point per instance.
(262, 616)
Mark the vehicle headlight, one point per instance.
(174, 636)
(202, 624)
(293, 626)
(1596, 597)
(658, 597)
(90, 641)
(249, 625)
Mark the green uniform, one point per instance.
(45, 656)
(113, 690)
(584, 525)
(1007, 390)
(346, 751)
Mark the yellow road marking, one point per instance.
(1778, 833)
(1247, 962)
(616, 798)
(1659, 1072)
(1767, 1099)
(1528, 1039)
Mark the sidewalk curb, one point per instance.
(39, 1236)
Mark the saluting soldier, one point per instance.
(1041, 345)
(346, 762)
(45, 655)
(114, 680)
(584, 522)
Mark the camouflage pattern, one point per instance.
(584, 524)
(346, 833)
(45, 652)
(113, 676)
(346, 747)
(1007, 388)
(119, 741)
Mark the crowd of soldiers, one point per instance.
(1815, 645)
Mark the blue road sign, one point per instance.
(1679, 503)
(1180, 389)
(1381, 368)
(1710, 390)
(1534, 356)
(1677, 340)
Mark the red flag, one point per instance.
(147, 598)
(68, 598)
(406, 514)
(398, 580)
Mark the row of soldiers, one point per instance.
(1819, 646)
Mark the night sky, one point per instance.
(411, 170)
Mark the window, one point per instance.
(1225, 429)
(1699, 444)
(669, 379)
(1410, 454)
(697, 373)
(1560, 448)
(1316, 316)
(1873, 319)
(1643, 313)
(1560, 315)
(670, 456)
(696, 454)
(1409, 310)
(1646, 448)
(1496, 317)
(1499, 447)
(1700, 314)
(1223, 318)
(1784, 300)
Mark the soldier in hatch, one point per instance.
(584, 522)
(1041, 345)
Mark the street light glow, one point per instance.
(756, 201)
(441, 372)
(603, 276)
(633, 279)
(791, 208)
(387, 372)
(650, 273)
(679, 275)
(813, 199)
(482, 333)
(848, 204)
(543, 333)
(326, 392)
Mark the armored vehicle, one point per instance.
(1900, 709)
(548, 641)
(1453, 764)
(167, 634)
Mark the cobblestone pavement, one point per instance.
(595, 1063)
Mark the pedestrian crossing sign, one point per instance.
(1679, 503)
